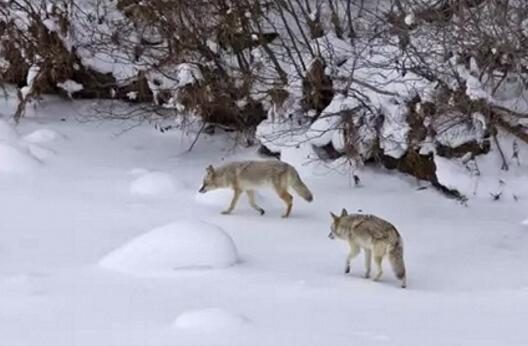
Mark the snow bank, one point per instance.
(179, 245)
(154, 183)
(453, 175)
(211, 319)
(483, 176)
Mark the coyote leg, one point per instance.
(378, 260)
(234, 201)
(251, 198)
(354, 251)
(286, 197)
(368, 256)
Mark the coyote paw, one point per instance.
(226, 212)
(347, 270)
(261, 211)
(367, 275)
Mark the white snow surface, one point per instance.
(42, 136)
(154, 183)
(467, 274)
(178, 245)
(14, 159)
(17, 155)
(210, 320)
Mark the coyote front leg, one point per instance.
(234, 201)
(354, 251)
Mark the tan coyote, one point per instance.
(246, 176)
(375, 236)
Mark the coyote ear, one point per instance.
(344, 212)
(210, 169)
(334, 216)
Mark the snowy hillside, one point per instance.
(86, 207)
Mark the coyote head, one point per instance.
(210, 180)
(334, 227)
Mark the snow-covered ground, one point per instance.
(76, 196)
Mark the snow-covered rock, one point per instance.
(154, 183)
(70, 86)
(393, 133)
(209, 320)
(326, 128)
(176, 246)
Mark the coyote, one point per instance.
(375, 236)
(246, 176)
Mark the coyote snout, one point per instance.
(246, 176)
(375, 236)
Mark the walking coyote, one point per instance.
(246, 176)
(375, 236)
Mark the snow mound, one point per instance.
(211, 319)
(179, 245)
(16, 160)
(42, 136)
(154, 183)
(40, 152)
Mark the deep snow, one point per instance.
(468, 281)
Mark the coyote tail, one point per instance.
(396, 259)
(299, 187)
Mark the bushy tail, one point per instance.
(396, 260)
(299, 187)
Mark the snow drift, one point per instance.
(179, 245)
